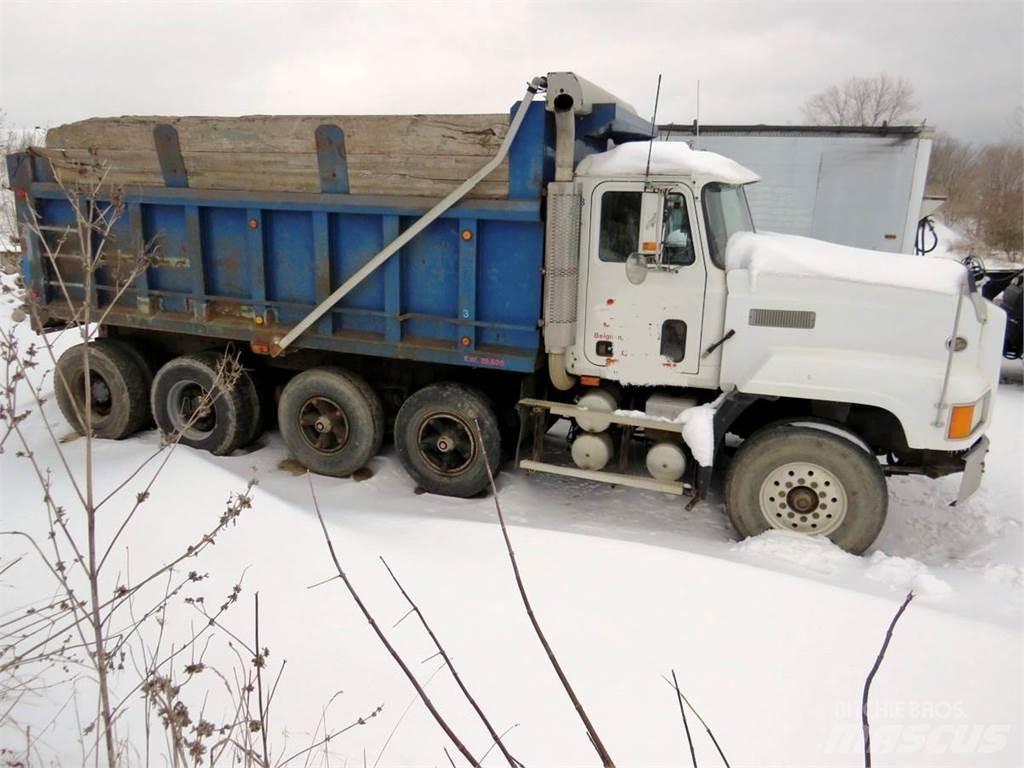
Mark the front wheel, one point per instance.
(807, 481)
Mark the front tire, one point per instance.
(331, 421)
(807, 481)
(442, 433)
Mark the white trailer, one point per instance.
(862, 187)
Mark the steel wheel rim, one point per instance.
(100, 397)
(323, 424)
(184, 399)
(804, 497)
(446, 443)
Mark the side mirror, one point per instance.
(647, 256)
(652, 222)
(636, 268)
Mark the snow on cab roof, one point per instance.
(668, 158)
(774, 253)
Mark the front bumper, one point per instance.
(974, 468)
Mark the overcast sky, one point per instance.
(757, 61)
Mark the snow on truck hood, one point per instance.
(773, 253)
(668, 158)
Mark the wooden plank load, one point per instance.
(420, 155)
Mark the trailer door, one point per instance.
(643, 330)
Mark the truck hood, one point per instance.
(819, 321)
(773, 253)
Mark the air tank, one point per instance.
(599, 402)
(666, 461)
(592, 450)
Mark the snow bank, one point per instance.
(819, 555)
(773, 253)
(668, 158)
(904, 574)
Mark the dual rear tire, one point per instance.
(446, 436)
(197, 399)
(333, 423)
(116, 402)
(207, 402)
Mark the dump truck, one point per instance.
(463, 283)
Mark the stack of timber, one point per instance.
(419, 155)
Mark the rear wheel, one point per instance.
(251, 393)
(442, 433)
(118, 396)
(331, 421)
(809, 481)
(194, 403)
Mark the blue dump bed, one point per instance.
(249, 265)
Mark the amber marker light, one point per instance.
(961, 421)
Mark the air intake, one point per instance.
(782, 318)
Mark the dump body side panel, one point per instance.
(248, 265)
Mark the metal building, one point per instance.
(862, 187)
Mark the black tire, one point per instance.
(135, 349)
(119, 384)
(254, 401)
(331, 421)
(769, 485)
(438, 442)
(180, 385)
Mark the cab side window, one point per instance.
(677, 246)
(620, 225)
(620, 228)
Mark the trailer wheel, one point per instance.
(189, 401)
(808, 481)
(438, 441)
(118, 388)
(331, 421)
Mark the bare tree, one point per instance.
(952, 173)
(97, 616)
(865, 723)
(861, 101)
(984, 190)
(1000, 180)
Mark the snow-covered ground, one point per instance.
(771, 638)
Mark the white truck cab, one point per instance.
(669, 321)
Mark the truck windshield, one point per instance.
(725, 213)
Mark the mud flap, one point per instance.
(974, 467)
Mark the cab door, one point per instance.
(649, 329)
